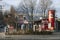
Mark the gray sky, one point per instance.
(12, 2)
(56, 4)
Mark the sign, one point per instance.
(51, 17)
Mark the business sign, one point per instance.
(51, 17)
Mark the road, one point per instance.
(54, 36)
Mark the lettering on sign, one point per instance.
(50, 14)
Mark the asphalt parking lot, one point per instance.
(54, 36)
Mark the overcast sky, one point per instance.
(56, 4)
(12, 2)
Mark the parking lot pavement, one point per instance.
(2, 35)
(54, 36)
(32, 38)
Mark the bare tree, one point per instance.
(45, 5)
(27, 6)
